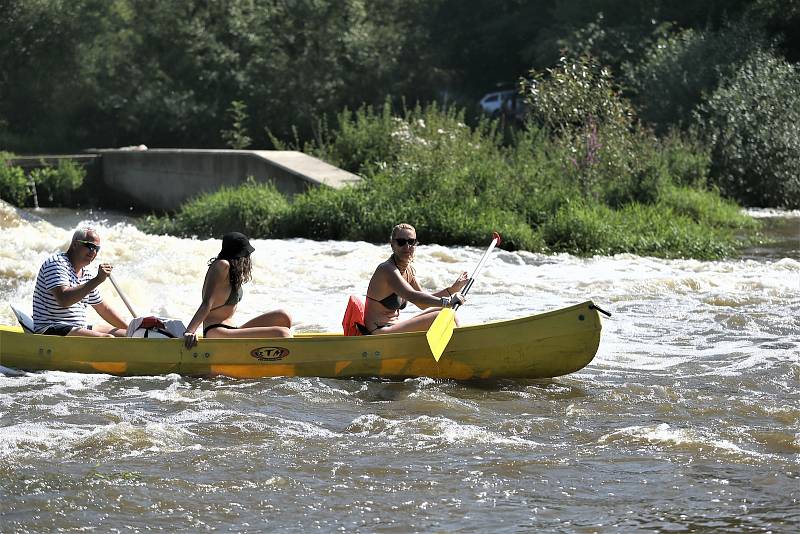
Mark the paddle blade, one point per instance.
(441, 331)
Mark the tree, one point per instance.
(752, 123)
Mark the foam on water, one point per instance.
(122, 439)
(287, 429)
(663, 435)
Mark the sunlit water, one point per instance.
(688, 419)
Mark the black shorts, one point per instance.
(61, 329)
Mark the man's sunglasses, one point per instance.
(91, 246)
(401, 242)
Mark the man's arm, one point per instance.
(110, 315)
(67, 296)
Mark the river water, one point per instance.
(688, 419)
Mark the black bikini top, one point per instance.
(393, 301)
(235, 297)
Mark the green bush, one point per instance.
(605, 154)
(56, 185)
(687, 158)
(648, 230)
(362, 139)
(325, 213)
(577, 227)
(454, 225)
(752, 123)
(236, 137)
(357, 214)
(705, 207)
(580, 104)
(656, 230)
(14, 185)
(255, 209)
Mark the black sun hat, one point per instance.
(235, 245)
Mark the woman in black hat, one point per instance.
(222, 291)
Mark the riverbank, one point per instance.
(683, 223)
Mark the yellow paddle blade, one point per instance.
(441, 331)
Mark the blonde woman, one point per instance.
(394, 284)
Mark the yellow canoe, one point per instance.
(539, 346)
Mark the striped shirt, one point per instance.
(58, 271)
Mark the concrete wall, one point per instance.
(162, 179)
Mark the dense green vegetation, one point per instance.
(639, 114)
(45, 186)
(582, 178)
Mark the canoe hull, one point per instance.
(540, 346)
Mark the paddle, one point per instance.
(441, 330)
(122, 295)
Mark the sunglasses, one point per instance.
(91, 246)
(401, 242)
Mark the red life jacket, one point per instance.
(353, 316)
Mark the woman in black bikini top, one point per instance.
(394, 284)
(392, 302)
(226, 274)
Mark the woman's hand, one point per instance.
(459, 284)
(189, 339)
(457, 298)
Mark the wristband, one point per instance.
(445, 302)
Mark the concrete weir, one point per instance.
(163, 179)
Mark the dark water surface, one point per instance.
(688, 419)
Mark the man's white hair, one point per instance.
(82, 233)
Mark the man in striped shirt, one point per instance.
(64, 288)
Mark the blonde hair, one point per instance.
(401, 226)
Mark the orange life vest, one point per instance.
(353, 316)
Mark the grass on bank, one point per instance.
(685, 223)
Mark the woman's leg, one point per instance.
(279, 317)
(276, 323)
(253, 332)
(418, 323)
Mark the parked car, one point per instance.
(508, 103)
(491, 103)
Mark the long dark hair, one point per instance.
(241, 270)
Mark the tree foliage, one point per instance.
(186, 73)
(752, 124)
(678, 69)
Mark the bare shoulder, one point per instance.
(219, 270)
(385, 268)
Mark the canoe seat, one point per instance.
(24, 319)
